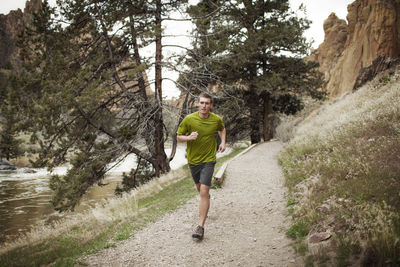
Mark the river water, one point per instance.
(24, 197)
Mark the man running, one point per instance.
(198, 129)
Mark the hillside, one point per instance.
(342, 169)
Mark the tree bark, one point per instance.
(267, 106)
(252, 103)
(181, 117)
(141, 81)
(162, 159)
(255, 127)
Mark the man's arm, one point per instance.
(222, 135)
(185, 138)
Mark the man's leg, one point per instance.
(204, 206)
(198, 187)
(203, 186)
(204, 203)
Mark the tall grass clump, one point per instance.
(343, 169)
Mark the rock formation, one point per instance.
(373, 30)
(10, 25)
(380, 64)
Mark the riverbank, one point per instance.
(105, 225)
(25, 194)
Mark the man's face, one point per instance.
(205, 105)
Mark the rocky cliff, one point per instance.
(10, 25)
(372, 30)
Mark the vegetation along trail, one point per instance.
(246, 223)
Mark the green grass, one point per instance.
(302, 248)
(384, 79)
(298, 230)
(110, 245)
(90, 238)
(291, 202)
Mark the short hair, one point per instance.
(206, 95)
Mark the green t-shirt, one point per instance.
(204, 148)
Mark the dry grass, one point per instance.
(346, 156)
(288, 123)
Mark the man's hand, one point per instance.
(185, 138)
(222, 135)
(193, 136)
(221, 147)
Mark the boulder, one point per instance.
(379, 65)
(29, 170)
(5, 166)
(319, 237)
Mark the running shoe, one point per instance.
(198, 233)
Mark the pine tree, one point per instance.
(10, 144)
(255, 51)
(86, 93)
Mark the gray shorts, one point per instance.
(203, 172)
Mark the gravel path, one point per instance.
(245, 227)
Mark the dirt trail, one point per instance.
(246, 224)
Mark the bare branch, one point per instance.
(194, 18)
(177, 46)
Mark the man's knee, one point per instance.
(204, 191)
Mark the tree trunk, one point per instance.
(162, 159)
(267, 130)
(138, 61)
(255, 127)
(181, 117)
(142, 105)
(252, 103)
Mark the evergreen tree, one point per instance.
(136, 177)
(255, 50)
(85, 90)
(10, 144)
